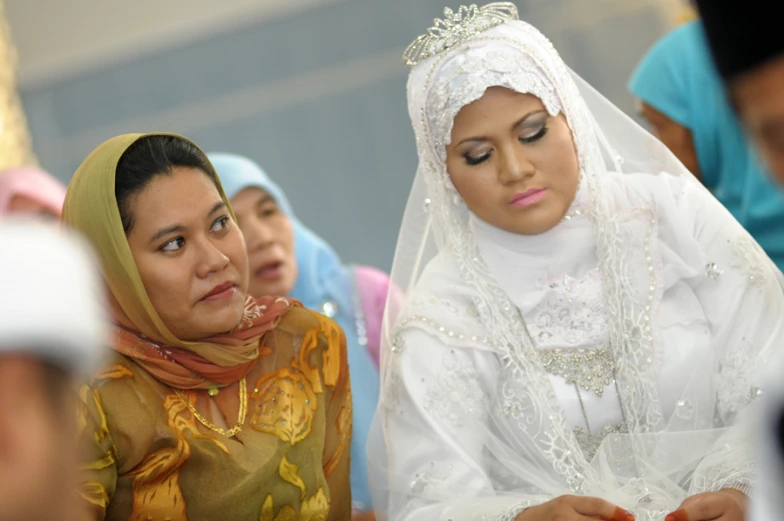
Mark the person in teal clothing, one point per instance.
(682, 97)
(287, 258)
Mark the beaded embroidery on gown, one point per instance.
(610, 356)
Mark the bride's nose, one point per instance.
(514, 165)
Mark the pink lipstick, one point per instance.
(529, 197)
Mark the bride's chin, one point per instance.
(536, 224)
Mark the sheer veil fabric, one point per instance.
(647, 272)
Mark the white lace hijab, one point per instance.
(468, 426)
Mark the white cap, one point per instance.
(51, 302)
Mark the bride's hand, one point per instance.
(726, 505)
(575, 508)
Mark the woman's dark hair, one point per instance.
(148, 157)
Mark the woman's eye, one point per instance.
(173, 245)
(536, 136)
(268, 211)
(475, 160)
(221, 223)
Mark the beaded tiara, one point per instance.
(457, 27)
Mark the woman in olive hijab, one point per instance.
(215, 405)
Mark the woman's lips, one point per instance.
(270, 271)
(221, 292)
(529, 197)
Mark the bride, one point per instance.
(582, 323)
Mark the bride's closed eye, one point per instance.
(476, 159)
(530, 131)
(533, 135)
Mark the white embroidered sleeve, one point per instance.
(438, 466)
(742, 299)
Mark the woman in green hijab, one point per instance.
(214, 404)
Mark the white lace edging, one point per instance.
(511, 514)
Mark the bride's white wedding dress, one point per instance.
(614, 355)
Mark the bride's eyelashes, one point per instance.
(473, 160)
(477, 159)
(539, 134)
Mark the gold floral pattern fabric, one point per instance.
(151, 459)
(285, 404)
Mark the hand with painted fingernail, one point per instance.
(726, 505)
(575, 508)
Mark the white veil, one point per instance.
(468, 426)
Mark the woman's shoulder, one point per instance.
(441, 278)
(122, 383)
(115, 367)
(369, 272)
(300, 324)
(118, 396)
(298, 320)
(442, 306)
(306, 339)
(373, 286)
(661, 191)
(370, 277)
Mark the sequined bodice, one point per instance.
(570, 329)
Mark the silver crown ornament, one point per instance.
(457, 27)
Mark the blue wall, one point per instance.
(318, 99)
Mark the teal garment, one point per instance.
(322, 278)
(678, 78)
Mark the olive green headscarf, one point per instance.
(91, 207)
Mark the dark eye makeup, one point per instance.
(476, 160)
(541, 131)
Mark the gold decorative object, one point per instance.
(15, 143)
(204, 421)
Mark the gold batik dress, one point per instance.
(156, 453)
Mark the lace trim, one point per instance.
(430, 479)
(466, 80)
(511, 514)
(748, 256)
(457, 393)
(736, 470)
(736, 387)
(572, 315)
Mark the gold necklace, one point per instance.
(204, 421)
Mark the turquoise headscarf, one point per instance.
(322, 279)
(677, 77)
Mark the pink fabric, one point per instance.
(373, 286)
(34, 184)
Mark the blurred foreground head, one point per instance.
(51, 332)
(747, 45)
